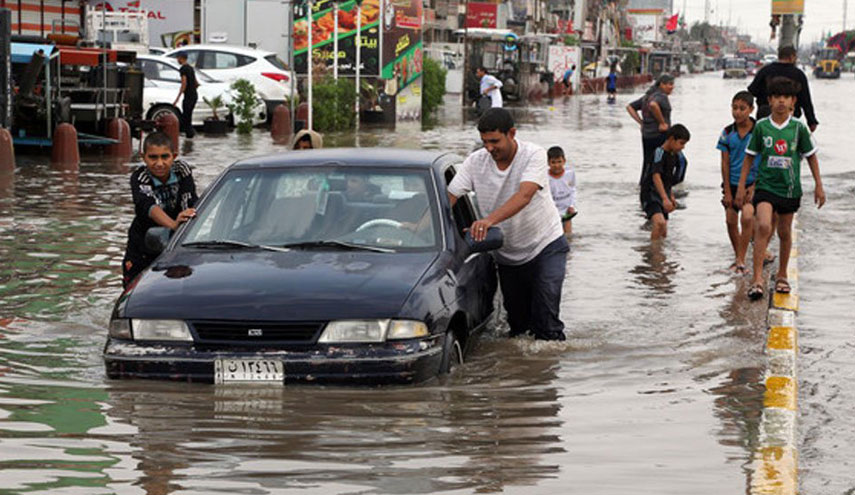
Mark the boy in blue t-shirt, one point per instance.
(611, 85)
(732, 144)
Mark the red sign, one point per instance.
(481, 15)
(781, 147)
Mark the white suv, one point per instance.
(265, 70)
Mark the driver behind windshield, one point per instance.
(164, 194)
(360, 189)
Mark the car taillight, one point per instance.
(276, 76)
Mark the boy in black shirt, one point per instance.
(164, 195)
(191, 96)
(667, 169)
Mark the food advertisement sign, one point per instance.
(402, 41)
(323, 29)
(481, 15)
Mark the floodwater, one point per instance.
(657, 391)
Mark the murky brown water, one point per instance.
(656, 392)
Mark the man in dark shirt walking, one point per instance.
(786, 67)
(188, 89)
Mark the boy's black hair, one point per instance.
(555, 152)
(157, 139)
(678, 132)
(745, 96)
(786, 52)
(481, 68)
(496, 119)
(782, 86)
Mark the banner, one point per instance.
(783, 7)
(402, 53)
(323, 27)
(481, 15)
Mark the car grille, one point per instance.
(249, 333)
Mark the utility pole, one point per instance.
(845, 9)
(310, 62)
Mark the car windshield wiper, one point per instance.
(336, 244)
(226, 243)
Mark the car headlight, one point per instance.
(354, 331)
(160, 330)
(406, 329)
(367, 331)
(120, 328)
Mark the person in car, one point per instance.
(307, 139)
(191, 96)
(164, 194)
(360, 189)
(511, 180)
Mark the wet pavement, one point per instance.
(657, 391)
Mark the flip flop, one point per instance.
(740, 269)
(755, 293)
(768, 259)
(782, 286)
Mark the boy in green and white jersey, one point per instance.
(780, 143)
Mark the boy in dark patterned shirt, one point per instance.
(164, 195)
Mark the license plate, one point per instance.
(248, 370)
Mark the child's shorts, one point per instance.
(779, 204)
(653, 207)
(733, 189)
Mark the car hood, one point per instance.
(275, 286)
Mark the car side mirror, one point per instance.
(156, 239)
(494, 240)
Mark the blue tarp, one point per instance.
(22, 53)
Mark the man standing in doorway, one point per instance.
(511, 180)
(490, 86)
(784, 67)
(188, 89)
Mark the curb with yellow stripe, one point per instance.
(775, 464)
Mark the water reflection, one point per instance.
(458, 435)
(655, 272)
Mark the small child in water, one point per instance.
(562, 184)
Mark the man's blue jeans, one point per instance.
(532, 292)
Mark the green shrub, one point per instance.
(433, 86)
(333, 104)
(243, 105)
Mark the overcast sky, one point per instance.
(752, 16)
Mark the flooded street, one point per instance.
(658, 389)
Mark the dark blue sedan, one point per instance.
(342, 265)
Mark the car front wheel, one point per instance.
(452, 353)
(161, 110)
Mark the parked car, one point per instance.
(334, 265)
(162, 83)
(265, 70)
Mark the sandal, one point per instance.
(755, 292)
(741, 270)
(768, 258)
(782, 286)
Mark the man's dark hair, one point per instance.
(181, 55)
(496, 119)
(555, 152)
(786, 52)
(481, 68)
(678, 132)
(745, 96)
(157, 139)
(782, 86)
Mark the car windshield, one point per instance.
(313, 207)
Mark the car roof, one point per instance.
(373, 157)
(158, 58)
(240, 50)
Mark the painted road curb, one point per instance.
(775, 463)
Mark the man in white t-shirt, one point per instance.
(511, 181)
(490, 86)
